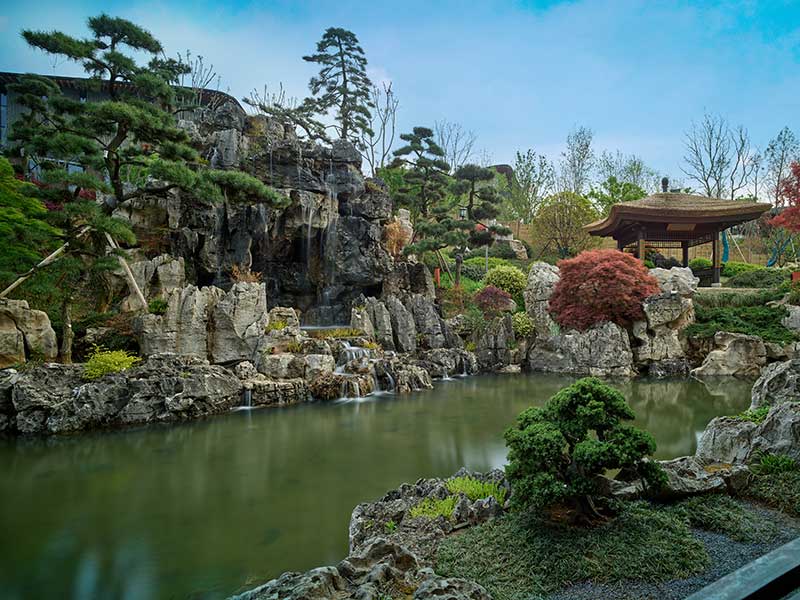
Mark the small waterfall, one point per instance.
(353, 352)
(392, 384)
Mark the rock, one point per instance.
(518, 248)
(359, 319)
(404, 329)
(183, 328)
(792, 318)
(24, 331)
(435, 587)
(679, 280)
(54, 399)
(672, 367)
(381, 321)
(542, 280)
(411, 378)
(287, 316)
(428, 323)
(730, 440)
(281, 366)
(687, 477)
(779, 382)
(493, 348)
(601, 351)
(324, 583)
(657, 338)
(446, 362)
(238, 321)
(156, 278)
(734, 354)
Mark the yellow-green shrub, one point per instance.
(433, 507)
(508, 279)
(102, 362)
(522, 324)
(475, 489)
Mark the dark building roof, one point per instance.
(671, 216)
(81, 83)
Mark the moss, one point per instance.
(520, 555)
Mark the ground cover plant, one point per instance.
(763, 321)
(759, 278)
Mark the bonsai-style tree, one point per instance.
(425, 180)
(556, 452)
(342, 83)
(601, 285)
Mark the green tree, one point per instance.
(342, 83)
(129, 140)
(557, 452)
(613, 191)
(23, 225)
(558, 224)
(533, 180)
(425, 180)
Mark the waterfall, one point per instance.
(392, 384)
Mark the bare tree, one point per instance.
(484, 158)
(781, 151)
(291, 114)
(626, 169)
(708, 154)
(577, 161)
(743, 162)
(456, 141)
(377, 142)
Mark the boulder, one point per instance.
(436, 587)
(680, 280)
(428, 324)
(494, 347)
(686, 476)
(657, 338)
(54, 398)
(779, 382)
(25, 332)
(404, 329)
(542, 280)
(734, 354)
(359, 319)
(324, 583)
(156, 278)
(238, 322)
(381, 323)
(792, 318)
(287, 316)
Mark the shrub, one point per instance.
(509, 279)
(473, 272)
(773, 464)
(699, 264)
(556, 452)
(523, 326)
(649, 264)
(474, 489)
(244, 275)
(157, 306)
(501, 250)
(432, 508)
(492, 300)
(735, 299)
(763, 321)
(339, 332)
(102, 362)
(455, 300)
(467, 284)
(396, 238)
(794, 294)
(601, 285)
(733, 268)
(277, 325)
(479, 262)
(759, 278)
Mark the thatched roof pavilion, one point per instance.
(674, 220)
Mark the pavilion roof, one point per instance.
(670, 208)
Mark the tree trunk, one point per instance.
(459, 260)
(67, 334)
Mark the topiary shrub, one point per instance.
(731, 269)
(557, 452)
(509, 279)
(492, 301)
(102, 362)
(601, 285)
(762, 277)
(523, 326)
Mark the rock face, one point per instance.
(732, 440)
(542, 279)
(657, 345)
(494, 347)
(54, 399)
(601, 351)
(24, 332)
(779, 382)
(383, 561)
(157, 278)
(237, 324)
(734, 354)
(677, 280)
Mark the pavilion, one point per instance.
(675, 220)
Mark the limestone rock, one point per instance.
(428, 323)
(156, 278)
(734, 354)
(24, 331)
(381, 323)
(404, 329)
(542, 280)
(657, 338)
(359, 319)
(779, 382)
(12, 343)
(323, 583)
(679, 280)
(288, 316)
(687, 477)
(237, 323)
(493, 348)
(792, 318)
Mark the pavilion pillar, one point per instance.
(685, 252)
(620, 245)
(716, 260)
(640, 246)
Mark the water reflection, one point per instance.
(204, 509)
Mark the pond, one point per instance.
(205, 509)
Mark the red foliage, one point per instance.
(601, 285)
(789, 218)
(491, 300)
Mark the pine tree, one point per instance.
(425, 179)
(130, 140)
(342, 83)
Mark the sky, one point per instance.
(518, 74)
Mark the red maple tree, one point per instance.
(601, 285)
(789, 218)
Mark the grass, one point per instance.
(432, 508)
(722, 514)
(763, 321)
(340, 332)
(756, 415)
(102, 362)
(520, 556)
(277, 325)
(468, 285)
(475, 489)
(773, 464)
(780, 490)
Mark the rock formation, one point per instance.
(24, 333)
(734, 354)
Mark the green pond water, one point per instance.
(206, 509)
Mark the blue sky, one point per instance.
(519, 74)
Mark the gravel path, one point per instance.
(726, 556)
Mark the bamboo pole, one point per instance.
(128, 273)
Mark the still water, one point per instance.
(205, 509)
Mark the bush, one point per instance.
(102, 362)
(556, 452)
(735, 299)
(763, 321)
(492, 300)
(773, 464)
(649, 264)
(501, 250)
(523, 326)
(509, 279)
(733, 268)
(157, 306)
(759, 278)
(467, 284)
(480, 261)
(601, 285)
(475, 489)
(699, 264)
(473, 272)
(431, 508)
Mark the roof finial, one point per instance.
(664, 184)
